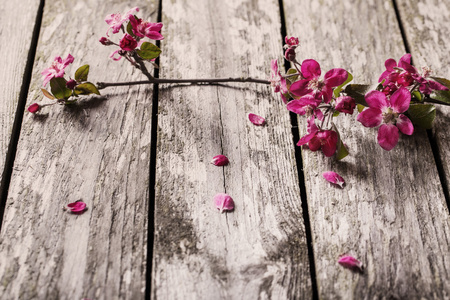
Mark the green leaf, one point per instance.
(48, 94)
(86, 89)
(148, 51)
(336, 113)
(358, 91)
(422, 115)
(292, 79)
(338, 89)
(360, 107)
(59, 88)
(130, 29)
(443, 96)
(341, 150)
(82, 73)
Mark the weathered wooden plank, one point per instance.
(427, 29)
(97, 151)
(392, 213)
(15, 39)
(259, 250)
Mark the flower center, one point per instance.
(316, 84)
(389, 116)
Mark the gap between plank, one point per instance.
(152, 175)
(301, 175)
(17, 125)
(431, 137)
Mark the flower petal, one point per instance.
(376, 99)
(329, 140)
(300, 88)
(257, 120)
(77, 207)
(310, 69)
(220, 160)
(390, 64)
(400, 100)
(334, 178)
(351, 263)
(405, 125)
(223, 202)
(335, 77)
(437, 86)
(370, 117)
(305, 139)
(388, 136)
(405, 61)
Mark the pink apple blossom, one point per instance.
(345, 104)
(390, 113)
(334, 178)
(291, 42)
(115, 21)
(128, 43)
(146, 29)
(313, 85)
(326, 140)
(351, 263)
(56, 69)
(220, 160)
(257, 120)
(223, 202)
(306, 105)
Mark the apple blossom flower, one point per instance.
(128, 43)
(34, 108)
(146, 29)
(306, 105)
(326, 140)
(223, 202)
(257, 120)
(57, 68)
(77, 207)
(220, 160)
(345, 104)
(115, 21)
(320, 89)
(334, 178)
(351, 263)
(291, 42)
(277, 81)
(390, 113)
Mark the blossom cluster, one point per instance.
(395, 104)
(134, 30)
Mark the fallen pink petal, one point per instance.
(220, 160)
(257, 120)
(77, 207)
(351, 263)
(223, 202)
(334, 178)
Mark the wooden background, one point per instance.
(139, 157)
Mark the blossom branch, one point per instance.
(102, 85)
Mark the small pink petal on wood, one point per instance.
(257, 120)
(220, 160)
(77, 207)
(351, 263)
(334, 178)
(223, 202)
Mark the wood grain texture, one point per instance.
(97, 151)
(15, 39)
(392, 213)
(427, 29)
(258, 251)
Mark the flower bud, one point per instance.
(71, 84)
(345, 104)
(34, 108)
(291, 42)
(290, 54)
(128, 43)
(220, 160)
(105, 41)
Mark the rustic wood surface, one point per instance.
(97, 151)
(259, 250)
(15, 41)
(392, 213)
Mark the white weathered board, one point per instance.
(259, 250)
(96, 151)
(392, 213)
(16, 30)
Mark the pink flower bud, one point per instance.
(77, 207)
(334, 178)
(220, 160)
(105, 41)
(291, 42)
(351, 263)
(290, 54)
(223, 202)
(257, 120)
(345, 104)
(71, 84)
(34, 108)
(128, 43)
